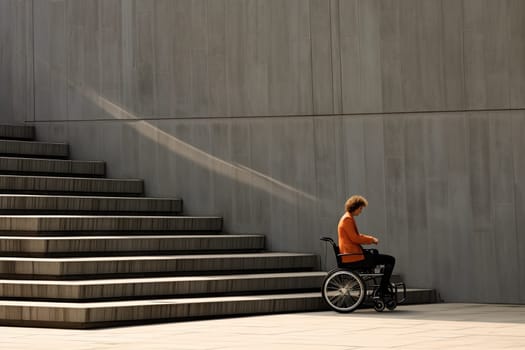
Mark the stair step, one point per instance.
(97, 223)
(128, 245)
(19, 132)
(43, 204)
(160, 286)
(112, 264)
(73, 185)
(421, 296)
(12, 165)
(104, 267)
(120, 313)
(33, 149)
(114, 313)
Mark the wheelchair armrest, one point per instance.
(348, 254)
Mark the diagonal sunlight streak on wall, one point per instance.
(214, 164)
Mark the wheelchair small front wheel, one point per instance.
(343, 290)
(379, 305)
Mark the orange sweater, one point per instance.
(350, 239)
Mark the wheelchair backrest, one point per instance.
(335, 248)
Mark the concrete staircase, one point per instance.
(78, 250)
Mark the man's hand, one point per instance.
(375, 241)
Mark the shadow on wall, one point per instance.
(262, 204)
(238, 171)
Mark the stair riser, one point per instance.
(17, 132)
(162, 266)
(47, 166)
(24, 224)
(33, 149)
(87, 205)
(127, 246)
(422, 297)
(56, 185)
(117, 316)
(117, 291)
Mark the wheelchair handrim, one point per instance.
(343, 291)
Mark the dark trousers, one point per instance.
(373, 259)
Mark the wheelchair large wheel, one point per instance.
(343, 290)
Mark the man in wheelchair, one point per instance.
(353, 282)
(350, 241)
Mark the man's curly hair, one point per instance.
(355, 202)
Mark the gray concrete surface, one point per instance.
(136, 245)
(271, 113)
(440, 186)
(196, 58)
(33, 149)
(31, 204)
(66, 224)
(11, 165)
(16, 131)
(71, 185)
(169, 264)
(174, 287)
(432, 326)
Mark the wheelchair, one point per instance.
(352, 285)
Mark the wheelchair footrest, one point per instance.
(400, 286)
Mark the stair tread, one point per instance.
(23, 132)
(87, 186)
(25, 159)
(44, 196)
(161, 287)
(101, 223)
(33, 142)
(25, 204)
(105, 217)
(99, 233)
(167, 301)
(62, 178)
(123, 303)
(102, 245)
(34, 148)
(159, 257)
(132, 237)
(52, 166)
(90, 282)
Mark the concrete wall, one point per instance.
(272, 112)
(16, 61)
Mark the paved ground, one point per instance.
(436, 326)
